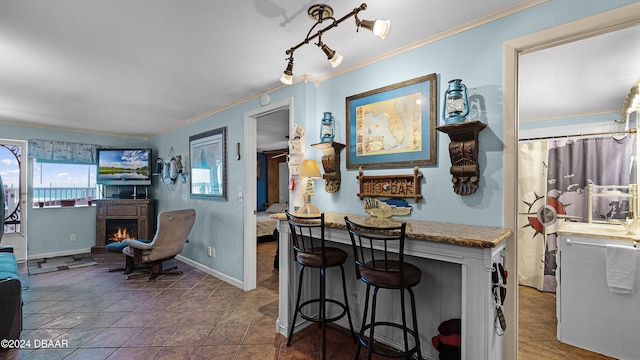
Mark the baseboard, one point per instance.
(59, 253)
(224, 277)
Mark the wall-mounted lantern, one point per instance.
(456, 103)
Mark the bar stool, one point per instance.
(380, 268)
(307, 234)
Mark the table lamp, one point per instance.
(309, 170)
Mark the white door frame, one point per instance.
(250, 189)
(608, 21)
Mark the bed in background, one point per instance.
(265, 225)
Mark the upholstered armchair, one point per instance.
(173, 231)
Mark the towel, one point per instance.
(621, 268)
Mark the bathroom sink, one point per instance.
(594, 229)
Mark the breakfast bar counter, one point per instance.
(456, 261)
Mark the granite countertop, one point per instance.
(456, 234)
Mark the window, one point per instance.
(53, 182)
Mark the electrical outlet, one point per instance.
(73, 237)
(356, 296)
(213, 252)
(209, 251)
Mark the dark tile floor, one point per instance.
(101, 315)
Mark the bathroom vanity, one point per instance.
(589, 315)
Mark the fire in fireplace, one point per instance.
(120, 229)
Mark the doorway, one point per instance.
(13, 168)
(250, 140)
(598, 24)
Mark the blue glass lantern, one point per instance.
(456, 103)
(326, 128)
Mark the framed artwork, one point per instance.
(393, 126)
(208, 161)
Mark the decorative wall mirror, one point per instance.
(208, 161)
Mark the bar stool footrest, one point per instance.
(386, 350)
(317, 318)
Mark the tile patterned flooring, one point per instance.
(196, 316)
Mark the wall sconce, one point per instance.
(463, 151)
(309, 170)
(321, 12)
(330, 164)
(456, 103)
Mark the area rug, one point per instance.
(40, 266)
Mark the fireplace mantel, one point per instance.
(138, 209)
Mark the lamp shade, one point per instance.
(310, 169)
(379, 28)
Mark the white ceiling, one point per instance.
(139, 68)
(584, 77)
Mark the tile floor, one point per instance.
(194, 316)
(537, 329)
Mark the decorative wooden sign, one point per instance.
(391, 186)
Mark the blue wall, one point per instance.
(475, 56)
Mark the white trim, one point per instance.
(612, 20)
(250, 191)
(60, 253)
(212, 272)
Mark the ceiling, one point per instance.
(584, 77)
(140, 68)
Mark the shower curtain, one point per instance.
(553, 179)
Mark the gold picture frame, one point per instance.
(393, 126)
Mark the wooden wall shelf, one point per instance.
(331, 164)
(391, 186)
(463, 150)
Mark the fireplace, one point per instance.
(133, 216)
(120, 229)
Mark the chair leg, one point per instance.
(295, 313)
(374, 299)
(415, 321)
(364, 323)
(404, 321)
(155, 272)
(323, 311)
(346, 304)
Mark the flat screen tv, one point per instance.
(124, 167)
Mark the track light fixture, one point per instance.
(287, 76)
(320, 13)
(334, 58)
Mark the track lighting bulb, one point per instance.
(334, 58)
(287, 75)
(379, 28)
